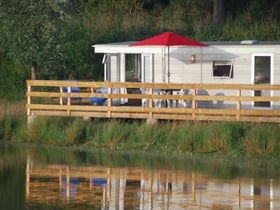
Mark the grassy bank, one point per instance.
(222, 138)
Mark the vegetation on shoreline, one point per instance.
(58, 35)
(232, 139)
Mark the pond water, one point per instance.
(42, 178)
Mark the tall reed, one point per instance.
(12, 117)
(262, 140)
(224, 138)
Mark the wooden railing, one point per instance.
(207, 102)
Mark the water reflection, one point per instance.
(102, 187)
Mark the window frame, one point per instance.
(228, 73)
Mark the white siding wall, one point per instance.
(158, 68)
(182, 71)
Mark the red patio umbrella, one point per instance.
(168, 39)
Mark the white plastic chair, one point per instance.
(185, 103)
(203, 103)
(218, 104)
(100, 101)
(157, 102)
(145, 101)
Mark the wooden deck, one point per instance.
(221, 103)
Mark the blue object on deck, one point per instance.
(100, 101)
(73, 90)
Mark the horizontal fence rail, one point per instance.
(154, 101)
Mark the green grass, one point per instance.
(12, 119)
(233, 139)
(262, 140)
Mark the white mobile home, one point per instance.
(245, 62)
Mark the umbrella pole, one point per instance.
(200, 65)
(168, 64)
(163, 65)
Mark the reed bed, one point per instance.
(166, 137)
(12, 117)
(15, 109)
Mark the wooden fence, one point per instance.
(159, 101)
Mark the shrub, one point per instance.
(261, 140)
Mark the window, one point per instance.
(222, 69)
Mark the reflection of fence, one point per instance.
(189, 101)
(134, 188)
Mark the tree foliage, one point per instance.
(36, 30)
(31, 31)
(58, 35)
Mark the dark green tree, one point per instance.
(36, 30)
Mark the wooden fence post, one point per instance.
(238, 105)
(30, 117)
(33, 70)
